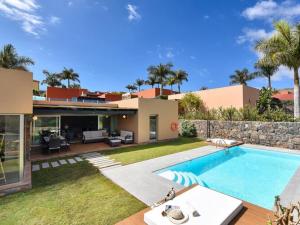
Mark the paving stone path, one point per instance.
(53, 164)
(100, 161)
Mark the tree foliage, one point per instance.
(9, 59)
(242, 77)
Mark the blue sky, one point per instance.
(110, 43)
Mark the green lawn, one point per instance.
(70, 194)
(79, 194)
(148, 151)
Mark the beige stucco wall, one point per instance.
(15, 92)
(232, 96)
(167, 112)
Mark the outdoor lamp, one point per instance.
(34, 118)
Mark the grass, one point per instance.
(78, 194)
(148, 151)
(70, 194)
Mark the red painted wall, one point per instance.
(111, 97)
(153, 92)
(54, 92)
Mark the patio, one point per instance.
(75, 149)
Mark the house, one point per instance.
(284, 95)
(237, 96)
(22, 119)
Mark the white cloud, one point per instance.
(252, 35)
(132, 12)
(54, 20)
(270, 10)
(24, 11)
(282, 74)
(206, 17)
(70, 3)
(169, 53)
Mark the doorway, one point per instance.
(153, 127)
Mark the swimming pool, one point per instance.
(253, 175)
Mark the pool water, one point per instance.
(253, 175)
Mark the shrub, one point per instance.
(277, 115)
(266, 101)
(191, 106)
(249, 113)
(188, 129)
(228, 114)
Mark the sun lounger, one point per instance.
(223, 142)
(214, 208)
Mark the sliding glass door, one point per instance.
(11, 148)
(42, 124)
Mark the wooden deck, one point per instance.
(75, 149)
(250, 215)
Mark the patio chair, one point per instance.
(54, 144)
(64, 144)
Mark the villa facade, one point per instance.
(237, 96)
(22, 120)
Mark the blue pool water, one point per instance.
(253, 175)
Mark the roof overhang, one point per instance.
(71, 111)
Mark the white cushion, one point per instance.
(125, 133)
(214, 208)
(91, 135)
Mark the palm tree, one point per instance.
(266, 69)
(171, 81)
(151, 81)
(9, 59)
(161, 73)
(242, 77)
(180, 76)
(74, 85)
(69, 74)
(131, 87)
(139, 83)
(283, 47)
(52, 79)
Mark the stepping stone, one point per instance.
(71, 161)
(35, 167)
(62, 162)
(78, 159)
(45, 165)
(54, 164)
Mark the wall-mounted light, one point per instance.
(124, 116)
(34, 118)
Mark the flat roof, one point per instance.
(79, 108)
(66, 104)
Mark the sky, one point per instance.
(111, 43)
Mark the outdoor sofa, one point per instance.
(94, 136)
(126, 137)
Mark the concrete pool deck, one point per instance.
(140, 180)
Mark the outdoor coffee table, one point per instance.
(114, 142)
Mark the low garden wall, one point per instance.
(281, 134)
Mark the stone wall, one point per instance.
(281, 134)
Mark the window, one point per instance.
(11, 148)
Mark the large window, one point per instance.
(11, 148)
(44, 124)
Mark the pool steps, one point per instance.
(184, 178)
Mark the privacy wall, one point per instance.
(281, 134)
